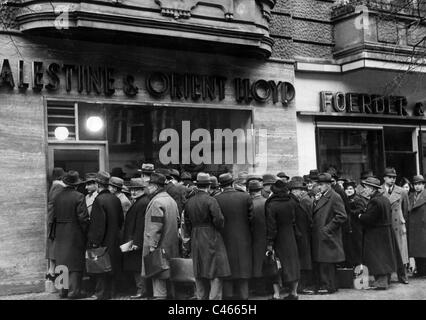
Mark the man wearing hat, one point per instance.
(133, 231)
(116, 185)
(379, 239)
(283, 176)
(327, 246)
(186, 179)
(92, 190)
(268, 181)
(55, 189)
(303, 223)
(176, 191)
(258, 225)
(416, 225)
(146, 171)
(240, 183)
(214, 186)
(399, 206)
(104, 231)
(69, 232)
(364, 175)
(161, 230)
(203, 222)
(237, 208)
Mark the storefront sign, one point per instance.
(366, 104)
(87, 79)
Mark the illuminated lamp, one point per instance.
(94, 124)
(61, 133)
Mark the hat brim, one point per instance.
(79, 181)
(371, 185)
(420, 181)
(203, 183)
(226, 182)
(116, 185)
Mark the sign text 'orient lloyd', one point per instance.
(362, 103)
(88, 79)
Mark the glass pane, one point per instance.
(350, 151)
(398, 139)
(83, 161)
(404, 163)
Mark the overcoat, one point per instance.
(258, 226)
(71, 220)
(328, 217)
(178, 192)
(125, 202)
(55, 189)
(347, 225)
(417, 226)
(161, 227)
(106, 221)
(237, 208)
(379, 240)
(357, 205)
(399, 206)
(134, 226)
(303, 223)
(203, 222)
(280, 223)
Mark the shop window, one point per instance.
(350, 151)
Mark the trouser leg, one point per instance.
(243, 288)
(75, 279)
(215, 289)
(381, 281)
(140, 283)
(201, 288)
(228, 289)
(104, 286)
(159, 287)
(327, 276)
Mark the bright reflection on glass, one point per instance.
(61, 133)
(94, 124)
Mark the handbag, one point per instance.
(271, 265)
(155, 262)
(182, 270)
(98, 260)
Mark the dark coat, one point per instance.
(106, 221)
(55, 189)
(280, 232)
(303, 223)
(134, 226)
(327, 220)
(71, 220)
(258, 225)
(203, 220)
(379, 239)
(417, 226)
(178, 192)
(357, 205)
(237, 208)
(346, 226)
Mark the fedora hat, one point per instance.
(242, 177)
(418, 179)
(255, 185)
(186, 176)
(372, 182)
(269, 179)
(279, 186)
(306, 178)
(103, 177)
(57, 173)
(164, 171)
(214, 182)
(333, 172)
(390, 172)
(174, 173)
(225, 179)
(71, 178)
(349, 183)
(296, 184)
(313, 175)
(90, 177)
(137, 183)
(147, 168)
(325, 177)
(282, 175)
(254, 177)
(158, 178)
(203, 179)
(116, 182)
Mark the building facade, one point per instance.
(113, 85)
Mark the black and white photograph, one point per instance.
(230, 150)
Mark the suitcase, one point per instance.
(181, 270)
(345, 278)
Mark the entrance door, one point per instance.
(83, 158)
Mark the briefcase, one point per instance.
(155, 262)
(181, 270)
(98, 260)
(345, 278)
(271, 265)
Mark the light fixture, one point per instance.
(94, 124)
(61, 133)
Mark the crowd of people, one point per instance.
(244, 234)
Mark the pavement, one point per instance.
(415, 290)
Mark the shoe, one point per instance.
(306, 291)
(291, 297)
(275, 298)
(322, 291)
(139, 296)
(403, 280)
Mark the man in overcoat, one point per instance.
(161, 230)
(116, 185)
(203, 222)
(379, 240)
(133, 230)
(417, 226)
(399, 206)
(105, 224)
(268, 180)
(327, 247)
(70, 226)
(92, 190)
(237, 208)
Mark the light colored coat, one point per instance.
(399, 207)
(161, 227)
